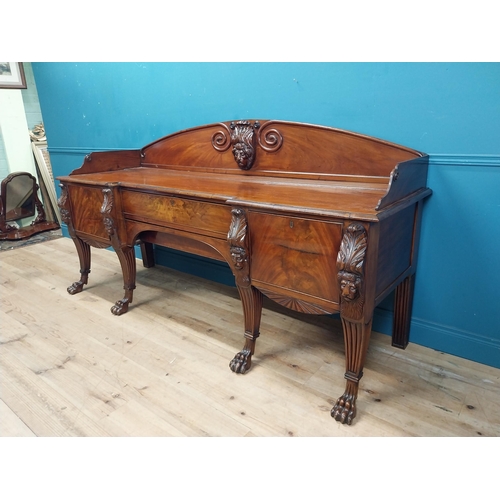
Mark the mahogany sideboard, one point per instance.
(318, 219)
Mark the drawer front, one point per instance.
(86, 205)
(295, 254)
(191, 215)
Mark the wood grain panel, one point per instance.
(322, 150)
(86, 205)
(396, 237)
(295, 254)
(177, 212)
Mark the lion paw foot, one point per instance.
(344, 410)
(241, 362)
(76, 287)
(120, 307)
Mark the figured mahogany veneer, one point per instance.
(318, 219)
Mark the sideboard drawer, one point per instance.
(295, 254)
(180, 213)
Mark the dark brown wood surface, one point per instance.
(304, 149)
(318, 219)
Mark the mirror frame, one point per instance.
(18, 212)
(39, 224)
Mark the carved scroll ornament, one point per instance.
(270, 139)
(243, 136)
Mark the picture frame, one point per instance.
(12, 75)
(46, 178)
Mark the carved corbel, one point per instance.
(238, 246)
(350, 276)
(106, 207)
(62, 204)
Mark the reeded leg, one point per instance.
(251, 299)
(356, 338)
(83, 250)
(126, 255)
(403, 301)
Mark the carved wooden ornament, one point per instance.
(237, 238)
(62, 203)
(243, 142)
(244, 136)
(107, 205)
(350, 265)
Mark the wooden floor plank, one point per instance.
(71, 368)
(11, 425)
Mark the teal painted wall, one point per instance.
(450, 111)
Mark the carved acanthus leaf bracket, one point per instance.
(350, 266)
(106, 207)
(62, 204)
(244, 136)
(238, 245)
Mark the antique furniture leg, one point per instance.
(403, 297)
(251, 298)
(83, 250)
(147, 252)
(356, 338)
(357, 331)
(125, 253)
(126, 256)
(82, 247)
(403, 300)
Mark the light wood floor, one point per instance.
(71, 368)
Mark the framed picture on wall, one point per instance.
(12, 75)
